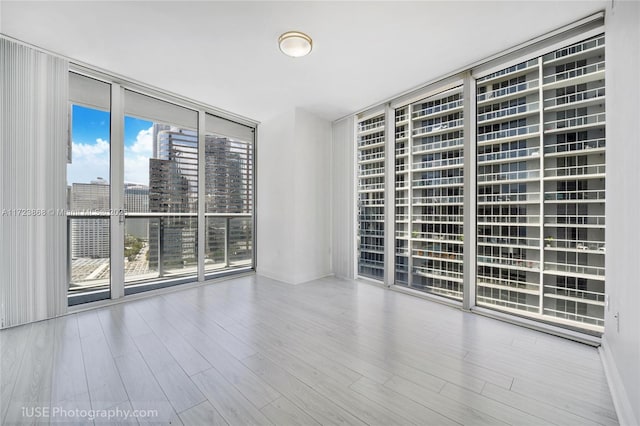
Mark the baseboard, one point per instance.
(624, 408)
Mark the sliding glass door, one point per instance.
(158, 193)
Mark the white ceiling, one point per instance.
(225, 53)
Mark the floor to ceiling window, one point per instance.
(429, 158)
(88, 190)
(229, 195)
(160, 192)
(538, 131)
(371, 158)
(185, 194)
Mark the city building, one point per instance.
(89, 237)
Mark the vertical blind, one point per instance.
(33, 129)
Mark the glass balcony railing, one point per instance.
(597, 246)
(509, 198)
(363, 142)
(428, 218)
(509, 90)
(457, 180)
(447, 125)
(575, 146)
(438, 199)
(484, 300)
(586, 195)
(367, 126)
(371, 156)
(506, 261)
(518, 175)
(505, 155)
(438, 163)
(421, 113)
(437, 273)
(402, 151)
(581, 121)
(437, 254)
(597, 220)
(592, 169)
(371, 171)
(431, 146)
(402, 117)
(512, 69)
(508, 133)
(597, 271)
(510, 219)
(371, 187)
(508, 284)
(584, 319)
(509, 241)
(571, 98)
(573, 73)
(506, 112)
(575, 49)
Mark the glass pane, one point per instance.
(88, 203)
(541, 188)
(371, 185)
(160, 181)
(229, 195)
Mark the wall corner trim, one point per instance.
(621, 402)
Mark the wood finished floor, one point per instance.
(255, 351)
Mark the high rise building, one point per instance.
(89, 237)
(541, 191)
(371, 157)
(173, 188)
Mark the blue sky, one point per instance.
(90, 149)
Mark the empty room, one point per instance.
(320, 212)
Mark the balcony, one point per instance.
(509, 112)
(509, 241)
(423, 183)
(586, 195)
(507, 91)
(401, 134)
(573, 317)
(519, 153)
(509, 176)
(437, 273)
(564, 76)
(377, 125)
(511, 71)
(594, 170)
(445, 162)
(566, 293)
(433, 254)
(447, 125)
(425, 112)
(576, 49)
(597, 119)
(575, 245)
(514, 306)
(513, 133)
(428, 218)
(402, 117)
(400, 152)
(457, 199)
(505, 261)
(436, 237)
(594, 271)
(591, 144)
(372, 248)
(533, 219)
(370, 142)
(596, 94)
(527, 287)
(440, 145)
(362, 157)
(372, 171)
(590, 220)
(371, 187)
(512, 197)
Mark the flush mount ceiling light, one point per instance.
(295, 44)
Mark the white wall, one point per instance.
(621, 343)
(343, 201)
(294, 203)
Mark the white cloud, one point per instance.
(136, 158)
(88, 161)
(144, 142)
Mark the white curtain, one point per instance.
(33, 147)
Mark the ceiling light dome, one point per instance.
(295, 44)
